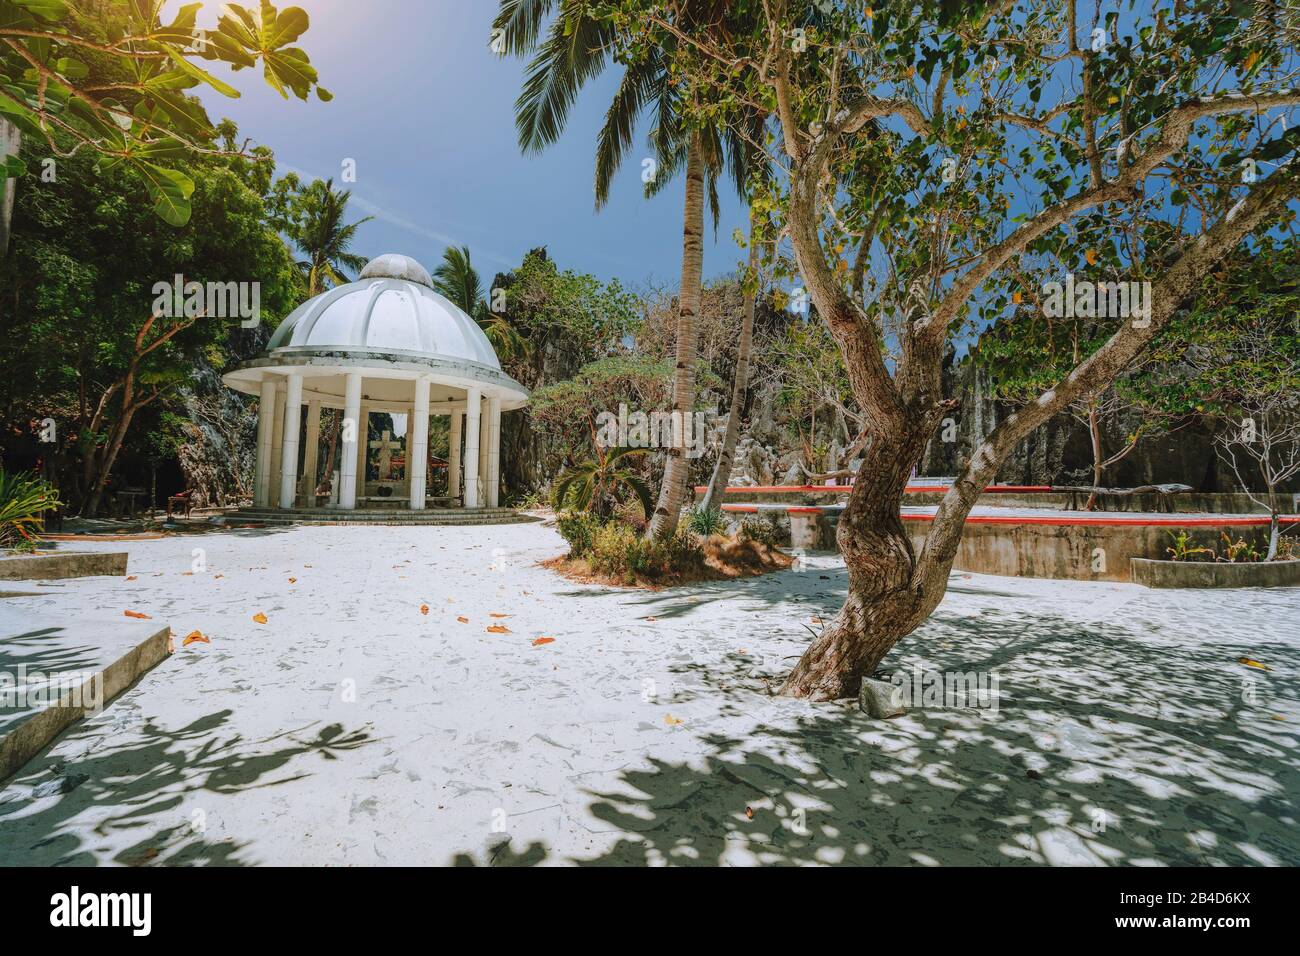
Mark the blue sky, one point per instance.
(426, 110)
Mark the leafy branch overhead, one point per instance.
(118, 81)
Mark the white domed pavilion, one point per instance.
(385, 343)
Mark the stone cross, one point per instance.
(386, 448)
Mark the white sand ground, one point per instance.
(1125, 733)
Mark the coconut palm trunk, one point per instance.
(717, 489)
(673, 491)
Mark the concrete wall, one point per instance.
(1183, 504)
(1072, 552)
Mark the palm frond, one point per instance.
(520, 21)
(573, 52)
(638, 87)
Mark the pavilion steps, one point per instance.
(375, 516)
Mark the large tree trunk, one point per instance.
(672, 493)
(881, 606)
(10, 142)
(717, 490)
(104, 466)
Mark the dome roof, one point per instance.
(392, 307)
(394, 265)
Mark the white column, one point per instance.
(351, 425)
(277, 448)
(292, 432)
(363, 448)
(265, 424)
(484, 427)
(417, 444)
(494, 452)
(473, 410)
(311, 455)
(453, 454)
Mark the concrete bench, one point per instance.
(812, 527)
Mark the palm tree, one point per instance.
(597, 484)
(318, 230)
(739, 386)
(576, 50)
(458, 280)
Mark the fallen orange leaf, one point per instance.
(543, 640)
(749, 813)
(498, 615)
(259, 617)
(1253, 663)
(498, 629)
(195, 637)
(463, 620)
(137, 614)
(424, 609)
(671, 721)
(131, 577)
(293, 580)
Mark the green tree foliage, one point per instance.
(568, 318)
(109, 77)
(80, 308)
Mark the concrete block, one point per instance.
(62, 564)
(53, 673)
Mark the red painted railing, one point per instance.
(845, 489)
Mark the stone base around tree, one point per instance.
(1216, 574)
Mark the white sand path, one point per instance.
(352, 729)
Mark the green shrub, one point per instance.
(577, 528)
(706, 521)
(761, 530)
(615, 549)
(682, 553)
(619, 551)
(23, 500)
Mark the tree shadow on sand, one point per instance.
(41, 822)
(1113, 743)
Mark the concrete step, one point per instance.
(450, 517)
